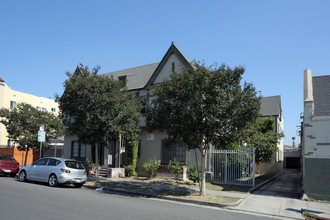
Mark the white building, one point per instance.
(316, 136)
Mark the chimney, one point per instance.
(308, 86)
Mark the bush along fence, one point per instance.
(232, 167)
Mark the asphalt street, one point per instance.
(38, 201)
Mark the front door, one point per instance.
(109, 154)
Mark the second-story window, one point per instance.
(53, 110)
(38, 108)
(144, 105)
(12, 104)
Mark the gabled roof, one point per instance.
(143, 76)
(136, 77)
(77, 71)
(172, 50)
(321, 95)
(270, 106)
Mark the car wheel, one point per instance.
(78, 185)
(22, 176)
(52, 181)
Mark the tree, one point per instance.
(263, 138)
(204, 106)
(98, 109)
(23, 123)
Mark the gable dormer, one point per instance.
(174, 60)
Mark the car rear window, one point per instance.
(7, 158)
(74, 164)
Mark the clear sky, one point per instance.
(274, 40)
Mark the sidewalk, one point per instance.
(263, 203)
(281, 206)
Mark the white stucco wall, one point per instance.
(316, 135)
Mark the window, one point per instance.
(42, 161)
(7, 158)
(38, 108)
(144, 105)
(78, 150)
(10, 143)
(172, 150)
(44, 109)
(173, 67)
(122, 78)
(53, 109)
(53, 162)
(139, 149)
(74, 164)
(12, 104)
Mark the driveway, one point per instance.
(278, 197)
(286, 185)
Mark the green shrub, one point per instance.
(151, 167)
(132, 154)
(193, 173)
(175, 167)
(89, 163)
(129, 169)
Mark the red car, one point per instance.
(8, 165)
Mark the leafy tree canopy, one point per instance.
(264, 139)
(98, 108)
(23, 123)
(203, 106)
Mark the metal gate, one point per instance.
(232, 167)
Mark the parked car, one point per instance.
(54, 171)
(8, 165)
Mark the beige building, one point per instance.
(10, 98)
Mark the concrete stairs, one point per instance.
(103, 172)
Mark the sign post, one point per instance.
(41, 137)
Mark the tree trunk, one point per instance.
(203, 182)
(26, 154)
(97, 161)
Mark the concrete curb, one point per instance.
(263, 183)
(148, 195)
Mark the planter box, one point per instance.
(92, 170)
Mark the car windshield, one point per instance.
(74, 164)
(7, 158)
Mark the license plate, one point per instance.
(78, 181)
(7, 171)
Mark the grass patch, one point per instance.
(309, 216)
(151, 189)
(212, 198)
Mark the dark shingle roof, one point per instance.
(270, 106)
(136, 77)
(321, 93)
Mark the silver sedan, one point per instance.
(54, 171)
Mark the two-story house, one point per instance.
(153, 143)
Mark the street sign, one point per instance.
(41, 136)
